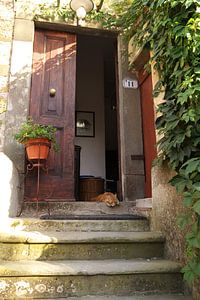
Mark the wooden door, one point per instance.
(54, 67)
(148, 121)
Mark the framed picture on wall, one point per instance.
(85, 124)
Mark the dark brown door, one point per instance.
(149, 136)
(54, 67)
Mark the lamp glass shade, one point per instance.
(88, 5)
(81, 13)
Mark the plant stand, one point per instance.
(40, 164)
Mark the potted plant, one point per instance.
(37, 139)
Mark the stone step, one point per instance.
(142, 297)
(80, 245)
(75, 207)
(78, 225)
(51, 279)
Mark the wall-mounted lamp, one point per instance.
(81, 7)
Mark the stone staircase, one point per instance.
(86, 260)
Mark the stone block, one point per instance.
(35, 287)
(6, 30)
(24, 30)
(73, 246)
(5, 48)
(57, 279)
(134, 187)
(3, 84)
(29, 224)
(25, 9)
(133, 165)
(4, 70)
(9, 180)
(167, 205)
(6, 10)
(3, 104)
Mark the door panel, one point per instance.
(54, 67)
(148, 120)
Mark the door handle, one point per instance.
(52, 92)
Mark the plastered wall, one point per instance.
(90, 97)
(6, 34)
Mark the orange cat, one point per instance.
(108, 198)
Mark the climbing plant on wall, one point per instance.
(171, 29)
(105, 13)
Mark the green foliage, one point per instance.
(171, 29)
(52, 12)
(108, 18)
(31, 130)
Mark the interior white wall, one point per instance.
(90, 97)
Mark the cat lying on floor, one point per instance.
(108, 198)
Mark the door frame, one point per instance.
(101, 33)
(150, 139)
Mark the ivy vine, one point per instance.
(51, 12)
(105, 18)
(171, 29)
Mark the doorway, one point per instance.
(81, 68)
(96, 95)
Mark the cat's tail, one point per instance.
(93, 199)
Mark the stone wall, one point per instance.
(130, 132)
(6, 34)
(19, 91)
(166, 206)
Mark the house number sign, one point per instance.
(3, 105)
(130, 83)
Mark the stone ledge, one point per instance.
(77, 208)
(35, 224)
(76, 237)
(142, 297)
(94, 267)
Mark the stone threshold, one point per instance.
(92, 217)
(82, 208)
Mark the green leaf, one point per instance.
(197, 70)
(196, 268)
(183, 221)
(193, 240)
(188, 201)
(196, 207)
(179, 182)
(192, 166)
(196, 186)
(189, 275)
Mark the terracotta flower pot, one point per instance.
(37, 148)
